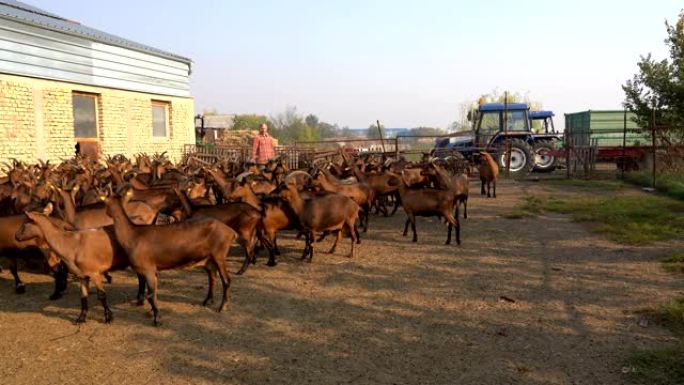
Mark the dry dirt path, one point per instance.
(401, 313)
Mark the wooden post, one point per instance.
(508, 140)
(567, 151)
(653, 143)
(382, 140)
(624, 145)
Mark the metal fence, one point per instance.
(303, 154)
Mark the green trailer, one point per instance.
(607, 130)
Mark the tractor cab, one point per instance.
(546, 119)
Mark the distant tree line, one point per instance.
(290, 126)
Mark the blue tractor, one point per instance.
(529, 150)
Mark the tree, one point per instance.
(327, 130)
(249, 122)
(373, 132)
(311, 120)
(660, 84)
(289, 126)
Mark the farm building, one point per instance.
(63, 83)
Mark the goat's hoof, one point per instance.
(271, 263)
(55, 296)
(241, 271)
(80, 320)
(140, 302)
(108, 317)
(277, 252)
(20, 289)
(208, 302)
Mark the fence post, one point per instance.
(624, 146)
(567, 153)
(396, 146)
(653, 143)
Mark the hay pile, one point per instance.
(239, 138)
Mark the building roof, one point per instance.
(219, 121)
(24, 13)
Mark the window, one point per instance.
(85, 115)
(517, 120)
(160, 121)
(490, 121)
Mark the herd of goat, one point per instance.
(89, 218)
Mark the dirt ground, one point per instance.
(400, 313)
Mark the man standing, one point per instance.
(262, 147)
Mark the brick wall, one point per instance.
(36, 120)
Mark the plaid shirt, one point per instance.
(262, 148)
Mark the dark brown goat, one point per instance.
(241, 217)
(360, 192)
(457, 183)
(331, 212)
(14, 249)
(277, 215)
(427, 202)
(200, 242)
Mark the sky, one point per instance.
(406, 63)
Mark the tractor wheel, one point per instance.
(543, 162)
(522, 159)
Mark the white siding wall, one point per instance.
(30, 51)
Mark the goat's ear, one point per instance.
(31, 215)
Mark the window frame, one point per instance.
(167, 126)
(96, 97)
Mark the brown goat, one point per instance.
(277, 215)
(459, 184)
(89, 254)
(14, 249)
(427, 202)
(489, 173)
(241, 217)
(361, 193)
(331, 212)
(199, 242)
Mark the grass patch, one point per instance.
(673, 316)
(674, 263)
(627, 219)
(529, 208)
(590, 184)
(671, 185)
(656, 367)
